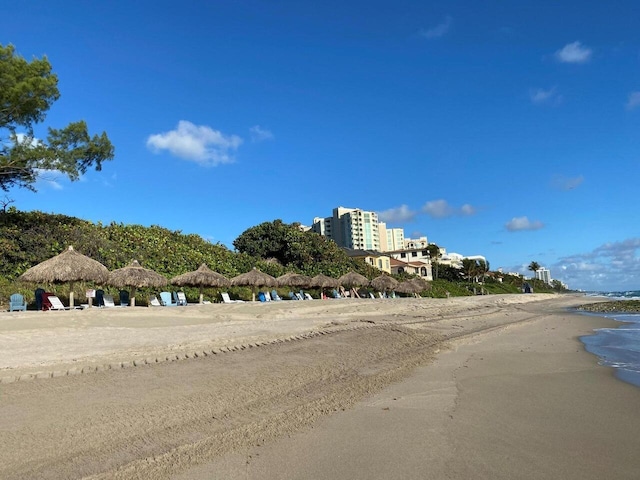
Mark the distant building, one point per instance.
(350, 228)
(375, 259)
(390, 238)
(544, 275)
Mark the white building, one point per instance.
(544, 275)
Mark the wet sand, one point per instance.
(482, 387)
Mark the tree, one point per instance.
(533, 266)
(434, 253)
(27, 91)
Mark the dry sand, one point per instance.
(321, 389)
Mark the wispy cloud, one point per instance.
(198, 143)
(633, 101)
(259, 134)
(573, 53)
(51, 178)
(399, 214)
(560, 182)
(439, 30)
(442, 209)
(540, 96)
(518, 224)
(610, 266)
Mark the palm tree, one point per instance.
(434, 253)
(533, 266)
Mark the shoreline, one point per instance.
(418, 389)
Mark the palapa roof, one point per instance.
(421, 283)
(68, 266)
(321, 280)
(407, 287)
(353, 279)
(293, 279)
(202, 277)
(134, 275)
(383, 283)
(254, 278)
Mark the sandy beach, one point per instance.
(477, 387)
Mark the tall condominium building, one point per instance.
(351, 228)
(544, 275)
(390, 238)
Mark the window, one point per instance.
(403, 255)
(414, 254)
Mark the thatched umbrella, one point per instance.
(384, 283)
(254, 278)
(421, 284)
(408, 287)
(352, 280)
(293, 279)
(67, 267)
(323, 281)
(135, 276)
(202, 277)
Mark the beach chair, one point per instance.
(371, 295)
(107, 301)
(182, 299)
(154, 302)
(307, 296)
(267, 296)
(275, 296)
(55, 303)
(38, 293)
(99, 298)
(17, 302)
(165, 300)
(124, 298)
(292, 296)
(227, 299)
(261, 297)
(336, 294)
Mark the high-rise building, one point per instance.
(351, 228)
(544, 275)
(390, 238)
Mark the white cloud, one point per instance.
(518, 224)
(397, 215)
(566, 183)
(198, 143)
(573, 53)
(50, 178)
(541, 96)
(441, 209)
(439, 30)
(259, 134)
(612, 266)
(633, 101)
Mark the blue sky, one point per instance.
(505, 129)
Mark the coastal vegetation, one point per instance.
(28, 238)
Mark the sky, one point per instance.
(503, 129)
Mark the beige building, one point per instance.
(375, 259)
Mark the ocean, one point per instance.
(618, 347)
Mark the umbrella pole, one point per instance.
(201, 296)
(71, 295)
(133, 297)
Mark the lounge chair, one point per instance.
(124, 298)
(17, 302)
(227, 299)
(307, 296)
(154, 302)
(55, 303)
(267, 296)
(261, 297)
(292, 296)
(182, 299)
(39, 292)
(99, 298)
(107, 301)
(165, 300)
(275, 296)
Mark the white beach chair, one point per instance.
(307, 296)
(182, 299)
(108, 301)
(56, 304)
(227, 299)
(154, 302)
